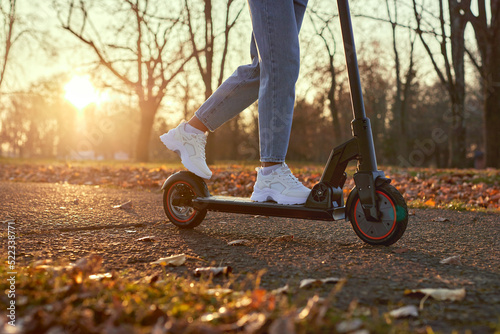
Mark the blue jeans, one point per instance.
(270, 78)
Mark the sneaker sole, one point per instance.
(176, 146)
(268, 194)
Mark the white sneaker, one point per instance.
(190, 147)
(279, 186)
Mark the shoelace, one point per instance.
(201, 142)
(290, 178)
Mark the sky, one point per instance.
(35, 57)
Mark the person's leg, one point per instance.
(276, 26)
(233, 96)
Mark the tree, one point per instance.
(327, 36)
(204, 46)
(404, 81)
(8, 36)
(141, 47)
(453, 75)
(489, 67)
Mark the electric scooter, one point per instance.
(376, 210)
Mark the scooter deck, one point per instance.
(246, 206)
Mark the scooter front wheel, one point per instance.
(393, 216)
(178, 192)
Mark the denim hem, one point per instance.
(207, 116)
(205, 122)
(272, 160)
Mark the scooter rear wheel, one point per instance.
(178, 193)
(393, 219)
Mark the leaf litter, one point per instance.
(437, 294)
(443, 188)
(174, 260)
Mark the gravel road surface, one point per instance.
(60, 221)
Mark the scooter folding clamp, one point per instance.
(325, 196)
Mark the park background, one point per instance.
(86, 82)
(84, 79)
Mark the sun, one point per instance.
(80, 91)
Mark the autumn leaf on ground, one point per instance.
(430, 202)
(308, 282)
(218, 292)
(315, 309)
(124, 206)
(99, 277)
(283, 325)
(283, 238)
(438, 294)
(441, 219)
(239, 242)
(174, 260)
(349, 326)
(207, 271)
(251, 323)
(148, 239)
(90, 264)
(452, 260)
(405, 311)
(281, 290)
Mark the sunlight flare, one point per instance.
(80, 92)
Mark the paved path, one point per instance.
(68, 221)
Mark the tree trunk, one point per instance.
(492, 108)
(458, 132)
(457, 143)
(333, 104)
(147, 119)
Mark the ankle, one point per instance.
(191, 129)
(269, 164)
(266, 170)
(197, 124)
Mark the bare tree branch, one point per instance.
(154, 66)
(9, 18)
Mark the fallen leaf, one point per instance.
(148, 239)
(438, 294)
(99, 277)
(348, 326)
(283, 238)
(195, 258)
(430, 202)
(310, 311)
(455, 260)
(441, 294)
(208, 317)
(252, 322)
(174, 260)
(218, 292)
(281, 290)
(440, 219)
(239, 242)
(405, 311)
(206, 271)
(284, 325)
(90, 264)
(125, 206)
(308, 282)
